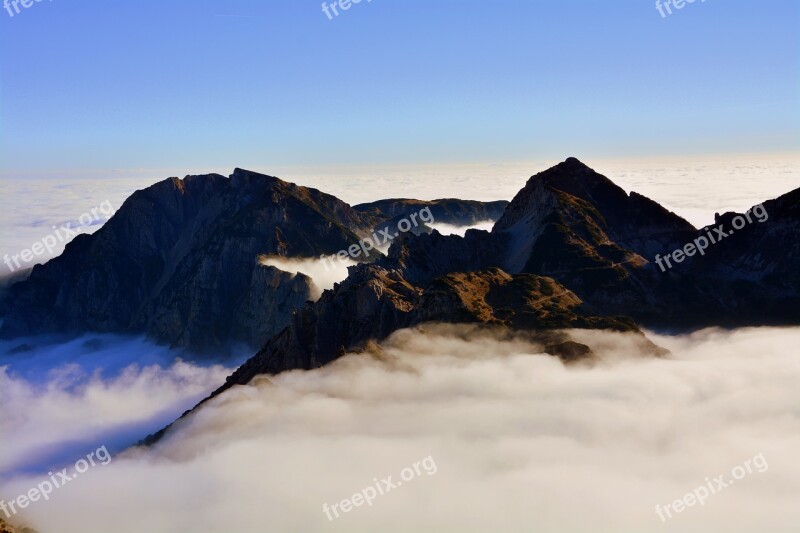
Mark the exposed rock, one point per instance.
(374, 302)
(570, 351)
(445, 211)
(8, 528)
(572, 250)
(576, 226)
(179, 261)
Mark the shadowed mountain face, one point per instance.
(375, 301)
(378, 301)
(570, 217)
(578, 227)
(446, 211)
(179, 261)
(753, 275)
(572, 250)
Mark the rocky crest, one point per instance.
(374, 302)
(179, 261)
(445, 211)
(8, 528)
(572, 250)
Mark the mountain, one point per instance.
(571, 250)
(444, 211)
(752, 275)
(375, 301)
(179, 261)
(575, 225)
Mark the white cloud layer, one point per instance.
(450, 229)
(61, 400)
(521, 443)
(324, 273)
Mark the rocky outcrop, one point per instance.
(179, 262)
(752, 276)
(576, 226)
(446, 211)
(374, 302)
(8, 528)
(572, 250)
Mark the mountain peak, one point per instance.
(573, 162)
(243, 174)
(572, 207)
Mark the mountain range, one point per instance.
(179, 262)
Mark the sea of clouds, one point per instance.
(693, 188)
(520, 441)
(58, 399)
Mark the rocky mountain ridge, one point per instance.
(572, 230)
(180, 262)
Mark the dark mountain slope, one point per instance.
(178, 261)
(572, 250)
(445, 211)
(753, 274)
(374, 302)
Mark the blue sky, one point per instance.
(86, 84)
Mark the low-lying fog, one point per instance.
(61, 398)
(519, 441)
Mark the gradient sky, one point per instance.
(88, 85)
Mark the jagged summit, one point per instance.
(179, 261)
(572, 250)
(241, 174)
(570, 206)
